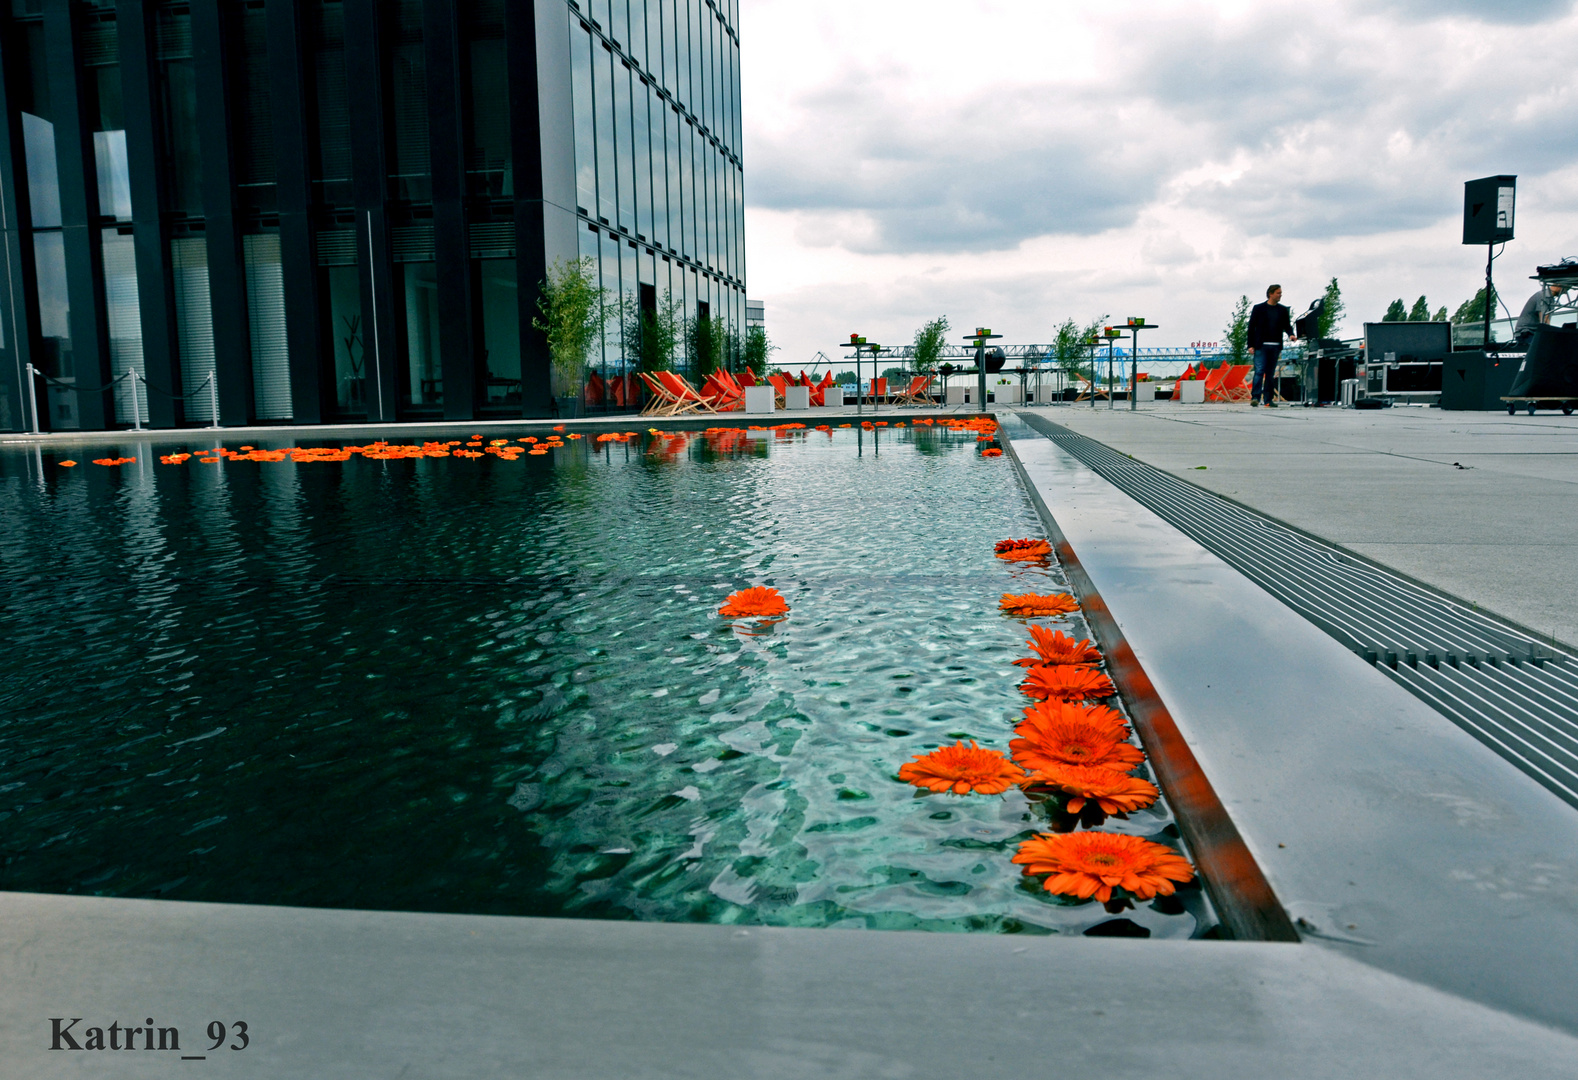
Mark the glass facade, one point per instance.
(659, 178)
(351, 180)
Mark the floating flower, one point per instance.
(1056, 733)
(1092, 864)
(67, 464)
(1053, 647)
(991, 452)
(1034, 604)
(961, 769)
(1066, 683)
(757, 602)
(1023, 549)
(1114, 791)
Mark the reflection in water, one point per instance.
(502, 686)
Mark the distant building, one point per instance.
(340, 210)
(755, 313)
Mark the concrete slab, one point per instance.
(340, 994)
(1501, 532)
(1396, 837)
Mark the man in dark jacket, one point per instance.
(1267, 323)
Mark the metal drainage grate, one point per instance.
(1514, 693)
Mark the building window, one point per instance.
(581, 46)
(256, 176)
(347, 342)
(489, 160)
(499, 307)
(125, 326)
(422, 378)
(266, 321)
(194, 325)
(331, 169)
(178, 102)
(410, 166)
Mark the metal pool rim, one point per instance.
(1248, 906)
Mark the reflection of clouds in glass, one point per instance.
(109, 155)
(54, 306)
(43, 181)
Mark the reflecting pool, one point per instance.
(496, 685)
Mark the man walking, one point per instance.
(1267, 323)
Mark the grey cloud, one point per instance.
(1514, 12)
(981, 175)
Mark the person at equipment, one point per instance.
(1536, 313)
(1267, 323)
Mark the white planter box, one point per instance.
(956, 395)
(1007, 395)
(759, 399)
(1145, 391)
(797, 397)
(1191, 392)
(833, 397)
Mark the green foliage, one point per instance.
(654, 334)
(705, 339)
(1333, 311)
(1440, 315)
(1395, 312)
(1071, 345)
(1420, 312)
(847, 378)
(929, 340)
(1236, 334)
(756, 349)
(573, 311)
(1473, 309)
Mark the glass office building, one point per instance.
(314, 211)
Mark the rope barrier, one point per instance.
(167, 393)
(84, 389)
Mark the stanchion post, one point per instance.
(213, 402)
(136, 407)
(32, 395)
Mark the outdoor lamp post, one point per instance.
(1136, 324)
(982, 335)
(1111, 333)
(860, 345)
(1095, 343)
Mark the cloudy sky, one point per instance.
(1010, 163)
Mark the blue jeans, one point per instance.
(1265, 372)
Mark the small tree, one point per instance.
(1395, 312)
(1237, 333)
(573, 311)
(655, 333)
(929, 340)
(1332, 311)
(757, 349)
(1420, 312)
(704, 342)
(1473, 310)
(1441, 314)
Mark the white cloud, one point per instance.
(1010, 164)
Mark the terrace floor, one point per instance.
(1477, 504)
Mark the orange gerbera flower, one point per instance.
(1023, 549)
(758, 602)
(1032, 604)
(1114, 791)
(1092, 864)
(1066, 683)
(1056, 733)
(991, 452)
(1053, 647)
(961, 769)
(67, 464)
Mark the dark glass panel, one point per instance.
(501, 339)
(253, 117)
(410, 165)
(183, 162)
(422, 376)
(676, 190)
(331, 171)
(489, 163)
(348, 339)
(619, 26)
(638, 33)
